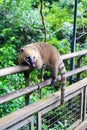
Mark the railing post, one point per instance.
(73, 46)
(40, 91)
(78, 65)
(84, 103)
(73, 43)
(27, 79)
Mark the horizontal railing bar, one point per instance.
(82, 126)
(25, 112)
(12, 70)
(18, 93)
(68, 74)
(76, 71)
(19, 68)
(73, 55)
(30, 89)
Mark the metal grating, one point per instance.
(26, 127)
(62, 117)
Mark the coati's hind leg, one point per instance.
(54, 71)
(42, 74)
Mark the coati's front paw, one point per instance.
(52, 83)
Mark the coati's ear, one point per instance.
(21, 50)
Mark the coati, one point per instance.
(38, 55)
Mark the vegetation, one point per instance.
(21, 24)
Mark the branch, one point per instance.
(81, 36)
(43, 21)
(84, 32)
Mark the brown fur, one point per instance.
(45, 54)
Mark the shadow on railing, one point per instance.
(47, 113)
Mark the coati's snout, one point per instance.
(30, 61)
(28, 57)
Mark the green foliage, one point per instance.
(8, 55)
(63, 46)
(9, 84)
(7, 108)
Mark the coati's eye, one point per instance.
(27, 57)
(30, 60)
(21, 50)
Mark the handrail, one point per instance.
(82, 126)
(12, 70)
(20, 68)
(73, 55)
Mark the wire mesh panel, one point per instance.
(26, 124)
(26, 127)
(56, 117)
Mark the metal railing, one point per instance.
(47, 114)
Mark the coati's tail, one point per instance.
(63, 80)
